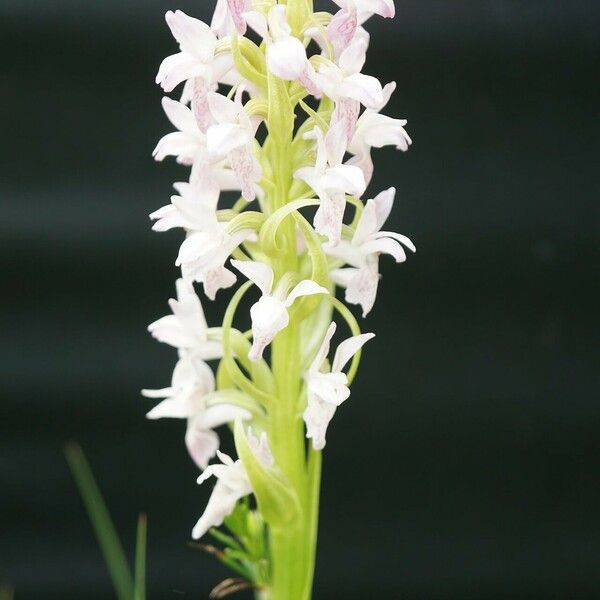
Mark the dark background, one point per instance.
(466, 464)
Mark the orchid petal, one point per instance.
(180, 115)
(352, 59)
(247, 169)
(257, 21)
(259, 273)
(307, 287)
(398, 236)
(218, 278)
(269, 316)
(236, 8)
(341, 29)
(286, 58)
(346, 178)
(347, 349)
(364, 88)
(367, 224)
(363, 161)
(194, 36)
(384, 202)
(362, 288)
(224, 138)
(223, 109)
(176, 144)
(202, 445)
(323, 349)
(177, 68)
(329, 217)
(385, 245)
(343, 277)
(317, 417)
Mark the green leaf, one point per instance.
(106, 534)
(277, 500)
(225, 539)
(140, 559)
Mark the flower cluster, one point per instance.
(251, 75)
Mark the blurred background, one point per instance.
(467, 463)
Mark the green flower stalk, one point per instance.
(249, 77)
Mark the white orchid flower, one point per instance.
(327, 389)
(344, 80)
(189, 208)
(229, 17)
(196, 62)
(186, 328)
(361, 279)
(193, 381)
(222, 23)
(348, 87)
(233, 136)
(201, 440)
(331, 180)
(232, 485)
(186, 144)
(374, 130)
(341, 29)
(367, 8)
(286, 54)
(270, 314)
(203, 254)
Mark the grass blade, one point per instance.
(6, 592)
(139, 592)
(101, 522)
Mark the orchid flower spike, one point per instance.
(327, 389)
(331, 180)
(233, 136)
(374, 130)
(307, 155)
(361, 279)
(232, 484)
(186, 328)
(270, 314)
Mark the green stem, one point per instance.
(291, 545)
(312, 515)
